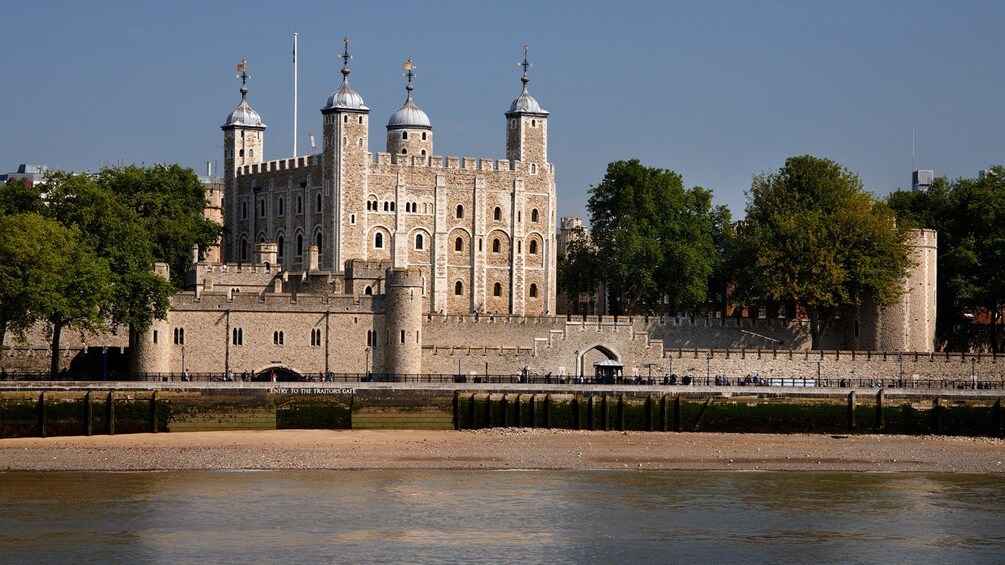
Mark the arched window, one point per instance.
(533, 291)
(533, 215)
(261, 208)
(238, 336)
(495, 245)
(497, 214)
(392, 206)
(459, 244)
(423, 152)
(418, 241)
(423, 136)
(345, 119)
(279, 246)
(300, 244)
(404, 151)
(459, 213)
(282, 206)
(532, 247)
(497, 289)
(387, 206)
(458, 288)
(277, 338)
(300, 204)
(244, 210)
(240, 153)
(317, 241)
(368, 291)
(404, 135)
(317, 203)
(378, 240)
(244, 249)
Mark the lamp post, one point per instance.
(708, 367)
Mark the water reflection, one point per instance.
(432, 516)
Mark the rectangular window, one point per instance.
(402, 336)
(179, 336)
(155, 336)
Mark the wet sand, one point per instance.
(502, 449)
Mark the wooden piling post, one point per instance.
(41, 414)
(880, 396)
(851, 410)
(547, 411)
(937, 410)
(605, 412)
(1001, 418)
(519, 410)
(678, 417)
(88, 414)
(650, 413)
(590, 408)
(664, 413)
(533, 411)
(488, 410)
(576, 411)
(621, 412)
(457, 419)
(471, 413)
(153, 412)
(110, 412)
(504, 407)
(1, 415)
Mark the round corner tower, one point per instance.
(909, 323)
(403, 321)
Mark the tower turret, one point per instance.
(346, 122)
(409, 131)
(243, 142)
(527, 126)
(403, 322)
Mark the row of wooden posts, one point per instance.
(658, 412)
(88, 416)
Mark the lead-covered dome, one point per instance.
(345, 98)
(409, 115)
(244, 115)
(525, 103)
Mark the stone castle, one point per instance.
(404, 262)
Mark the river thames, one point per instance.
(499, 516)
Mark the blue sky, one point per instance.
(717, 91)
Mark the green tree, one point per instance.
(815, 237)
(169, 202)
(578, 271)
(653, 238)
(34, 249)
(969, 215)
(126, 292)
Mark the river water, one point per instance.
(499, 516)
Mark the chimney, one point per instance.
(266, 253)
(312, 258)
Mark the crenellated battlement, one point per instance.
(279, 302)
(440, 162)
(279, 165)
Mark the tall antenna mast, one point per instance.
(294, 94)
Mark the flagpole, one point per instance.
(294, 94)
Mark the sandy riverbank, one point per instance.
(502, 449)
